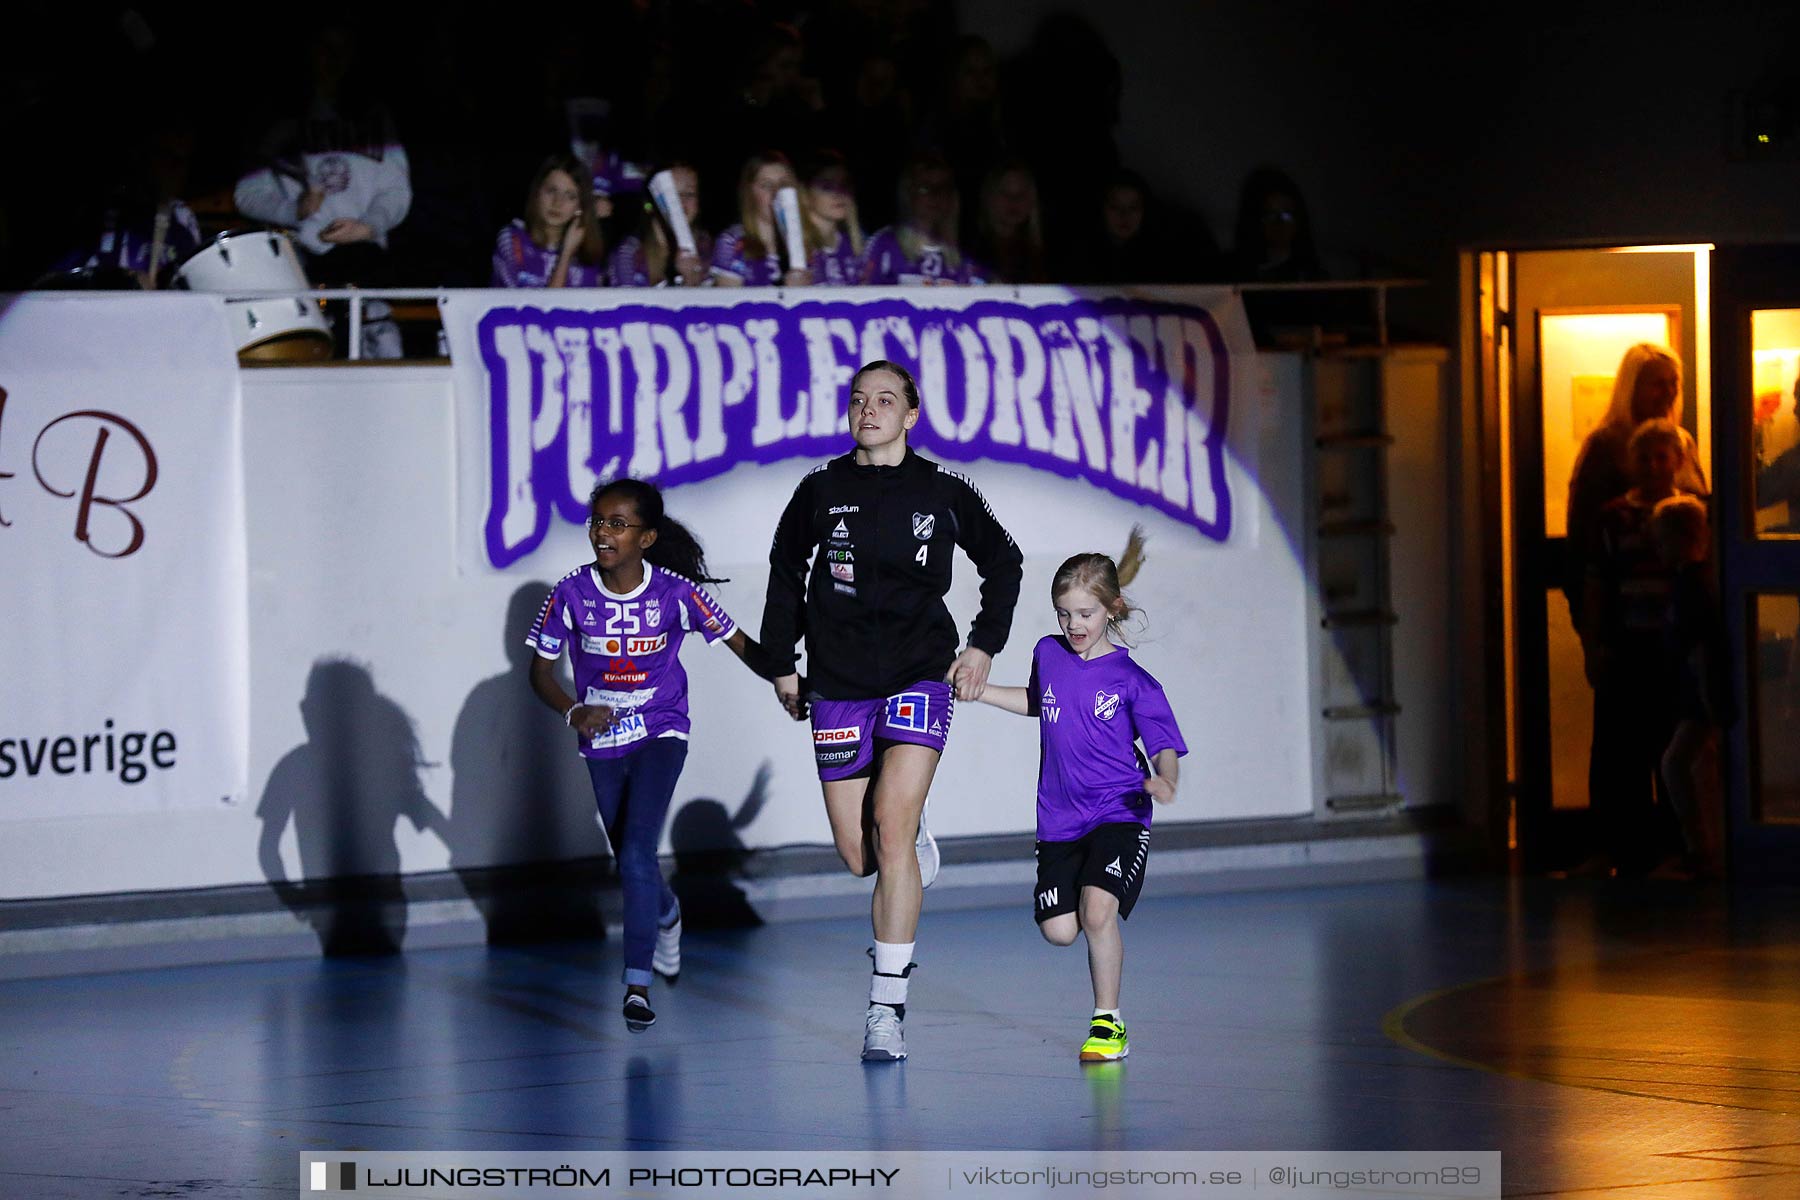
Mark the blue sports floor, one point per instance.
(1628, 1042)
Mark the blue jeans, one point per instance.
(632, 793)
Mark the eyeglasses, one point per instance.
(612, 524)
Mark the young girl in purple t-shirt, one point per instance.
(1094, 703)
(749, 254)
(557, 243)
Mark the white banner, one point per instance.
(1141, 395)
(124, 675)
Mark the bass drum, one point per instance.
(280, 326)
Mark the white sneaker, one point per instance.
(882, 1039)
(667, 958)
(926, 847)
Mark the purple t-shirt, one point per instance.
(1091, 713)
(838, 265)
(128, 247)
(728, 259)
(614, 177)
(630, 266)
(885, 261)
(521, 262)
(626, 649)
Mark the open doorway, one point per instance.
(1552, 328)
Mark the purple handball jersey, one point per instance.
(838, 265)
(1091, 713)
(521, 262)
(730, 257)
(630, 265)
(626, 650)
(885, 261)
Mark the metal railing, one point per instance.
(357, 297)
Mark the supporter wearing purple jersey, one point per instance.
(749, 254)
(734, 261)
(834, 235)
(838, 264)
(650, 257)
(1091, 714)
(557, 243)
(626, 650)
(1094, 704)
(129, 242)
(623, 618)
(895, 259)
(921, 247)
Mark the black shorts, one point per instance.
(1111, 857)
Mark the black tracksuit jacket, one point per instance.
(873, 611)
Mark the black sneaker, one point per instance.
(638, 1014)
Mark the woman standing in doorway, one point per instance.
(883, 665)
(1647, 387)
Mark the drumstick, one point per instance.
(668, 203)
(787, 215)
(156, 243)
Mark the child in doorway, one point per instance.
(623, 617)
(1094, 703)
(1694, 666)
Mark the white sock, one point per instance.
(1111, 1013)
(893, 962)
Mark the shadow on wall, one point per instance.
(520, 795)
(344, 789)
(709, 855)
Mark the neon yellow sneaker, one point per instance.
(1105, 1042)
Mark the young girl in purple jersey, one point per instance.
(749, 253)
(650, 257)
(834, 235)
(1094, 703)
(921, 248)
(558, 243)
(623, 617)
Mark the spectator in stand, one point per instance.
(873, 118)
(1274, 233)
(1009, 231)
(749, 253)
(338, 177)
(967, 127)
(557, 243)
(147, 230)
(1062, 104)
(921, 248)
(650, 257)
(834, 234)
(1130, 241)
(779, 106)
